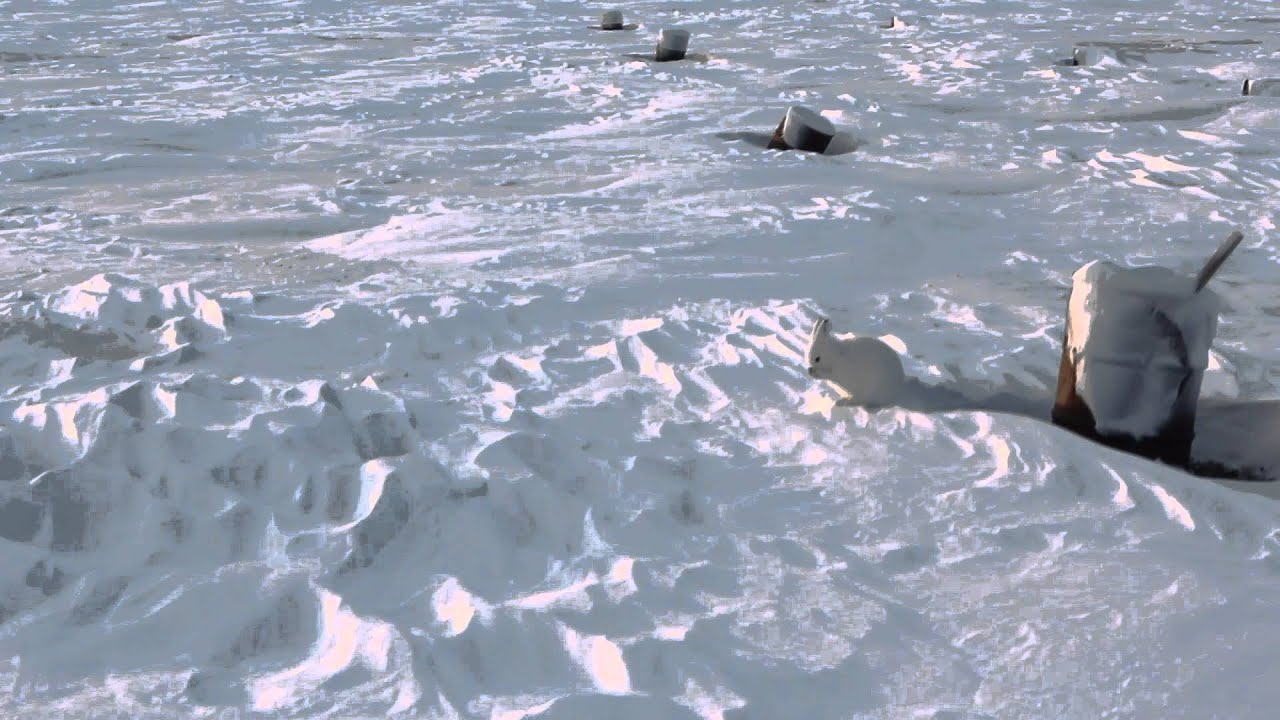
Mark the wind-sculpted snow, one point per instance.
(526, 140)
(447, 360)
(509, 504)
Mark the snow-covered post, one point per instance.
(802, 129)
(1262, 86)
(673, 43)
(1136, 348)
(611, 20)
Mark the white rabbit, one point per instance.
(865, 368)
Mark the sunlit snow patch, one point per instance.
(344, 639)
(601, 658)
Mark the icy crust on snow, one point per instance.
(1136, 335)
(509, 503)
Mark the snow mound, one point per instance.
(511, 502)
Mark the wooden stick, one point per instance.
(1218, 257)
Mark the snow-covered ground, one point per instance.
(439, 358)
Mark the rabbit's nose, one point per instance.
(813, 372)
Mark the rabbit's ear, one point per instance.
(824, 326)
(817, 328)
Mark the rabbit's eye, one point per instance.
(817, 359)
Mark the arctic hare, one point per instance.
(867, 369)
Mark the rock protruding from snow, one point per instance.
(1084, 56)
(611, 20)
(1137, 345)
(803, 129)
(1103, 54)
(1262, 86)
(673, 43)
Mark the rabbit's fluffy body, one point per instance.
(865, 368)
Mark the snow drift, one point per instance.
(655, 517)
(443, 361)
